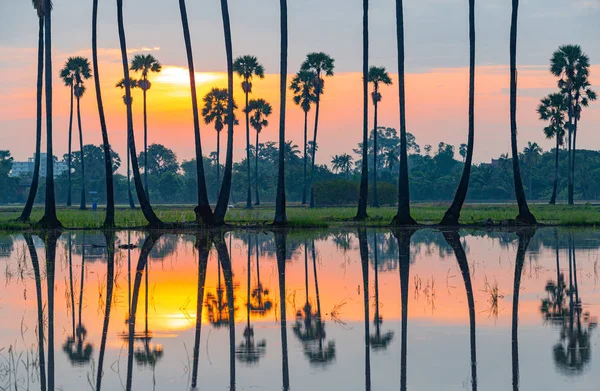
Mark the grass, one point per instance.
(298, 216)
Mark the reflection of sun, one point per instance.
(180, 76)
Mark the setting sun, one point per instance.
(180, 76)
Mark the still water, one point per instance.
(301, 310)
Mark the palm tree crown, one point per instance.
(215, 108)
(304, 89)
(39, 7)
(319, 63)
(377, 76)
(259, 109)
(145, 63)
(553, 108)
(246, 67)
(76, 70)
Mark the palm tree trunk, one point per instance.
(403, 239)
(571, 115)
(280, 201)
(248, 282)
(361, 213)
(574, 150)
(110, 277)
(525, 216)
(375, 151)
(40, 308)
(129, 194)
(223, 201)
(249, 193)
(109, 220)
(555, 183)
(146, 144)
(256, 170)
(452, 215)
(314, 150)
(203, 246)
(51, 239)
(223, 256)
(70, 155)
(304, 158)
(203, 210)
(26, 213)
(364, 257)
(281, 250)
(218, 161)
(403, 216)
(81, 283)
(82, 204)
(147, 210)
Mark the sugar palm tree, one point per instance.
(363, 194)
(79, 90)
(553, 109)
(144, 64)
(321, 65)
(109, 220)
(133, 84)
(215, 111)
(304, 96)
(342, 163)
(145, 205)
(247, 67)
(259, 110)
(571, 65)
(403, 216)
(203, 211)
(452, 215)
(525, 216)
(26, 213)
(280, 206)
(377, 76)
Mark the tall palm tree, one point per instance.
(49, 220)
(304, 96)
(321, 65)
(144, 64)
(377, 76)
(69, 81)
(525, 216)
(452, 215)
(571, 65)
(280, 207)
(363, 194)
(203, 210)
(552, 109)
(109, 220)
(259, 110)
(133, 84)
(26, 213)
(145, 205)
(247, 67)
(403, 216)
(215, 111)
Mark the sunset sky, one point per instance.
(437, 60)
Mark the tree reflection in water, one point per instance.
(378, 340)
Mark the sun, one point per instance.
(180, 76)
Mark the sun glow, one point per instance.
(180, 76)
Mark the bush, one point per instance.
(344, 192)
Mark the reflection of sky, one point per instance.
(438, 339)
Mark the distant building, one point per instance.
(26, 168)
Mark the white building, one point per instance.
(26, 168)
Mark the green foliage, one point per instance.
(345, 192)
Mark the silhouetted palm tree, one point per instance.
(342, 163)
(145, 205)
(452, 215)
(403, 216)
(134, 84)
(280, 203)
(377, 76)
(320, 64)
(363, 194)
(110, 278)
(26, 213)
(247, 67)
(553, 108)
(203, 211)
(145, 63)
(259, 110)
(525, 216)
(203, 244)
(304, 96)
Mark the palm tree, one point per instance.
(109, 220)
(525, 216)
(49, 220)
(304, 96)
(134, 84)
(571, 65)
(247, 67)
(110, 279)
(452, 215)
(259, 109)
(342, 163)
(145, 205)
(69, 81)
(203, 210)
(280, 206)
(26, 213)
(553, 108)
(531, 155)
(321, 65)
(363, 194)
(377, 76)
(215, 111)
(145, 63)
(403, 216)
